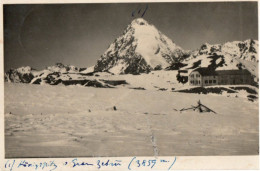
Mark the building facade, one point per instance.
(207, 77)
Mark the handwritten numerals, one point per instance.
(145, 163)
(137, 163)
(12, 165)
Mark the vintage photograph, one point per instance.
(131, 79)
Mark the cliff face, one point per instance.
(140, 48)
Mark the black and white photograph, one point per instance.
(131, 79)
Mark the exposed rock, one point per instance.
(140, 49)
(19, 75)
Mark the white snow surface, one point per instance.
(88, 70)
(149, 40)
(63, 68)
(118, 67)
(24, 70)
(72, 121)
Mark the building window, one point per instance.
(210, 81)
(199, 81)
(192, 76)
(206, 81)
(197, 75)
(214, 81)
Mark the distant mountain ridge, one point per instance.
(230, 55)
(22, 74)
(27, 74)
(246, 50)
(142, 48)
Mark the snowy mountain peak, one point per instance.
(241, 49)
(230, 55)
(49, 75)
(139, 21)
(140, 48)
(22, 74)
(26, 69)
(59, 67)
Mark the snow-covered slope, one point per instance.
(140, 48)
(230, 55)
(59, 67)
(88, 70)
(22, 74)
(246, 50)
(75, 121)
(49, 75)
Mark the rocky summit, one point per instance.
(141, 48)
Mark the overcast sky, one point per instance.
(78, 34)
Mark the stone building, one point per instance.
(208, 77)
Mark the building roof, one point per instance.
(233, 72)
(205, 71)
(209, 72)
